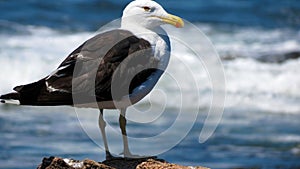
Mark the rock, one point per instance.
(120, 163)
(155, 164)
(266, 58)
(279, 58)
(230, 56)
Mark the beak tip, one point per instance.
(179, 25)
(173, 20)
(179, 22)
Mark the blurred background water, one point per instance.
(258, 41)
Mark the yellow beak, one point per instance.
(173, 20)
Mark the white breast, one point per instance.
(161, 50)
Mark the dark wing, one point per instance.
(89, 71)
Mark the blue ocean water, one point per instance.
(260, 124)
(79, 15)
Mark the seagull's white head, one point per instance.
(148, 14)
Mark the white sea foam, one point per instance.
(250, 83)
(253, 42)
(28, 57)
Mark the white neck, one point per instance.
(139, 31)
(157, 38)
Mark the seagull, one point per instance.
(115, 69)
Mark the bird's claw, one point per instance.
(110, 157)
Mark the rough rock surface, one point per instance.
(277, 58)
(121, 163)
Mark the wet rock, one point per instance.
(279, 58)
(230, 56)
(120, 163)
(267, 58)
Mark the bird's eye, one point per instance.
(146, 8)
